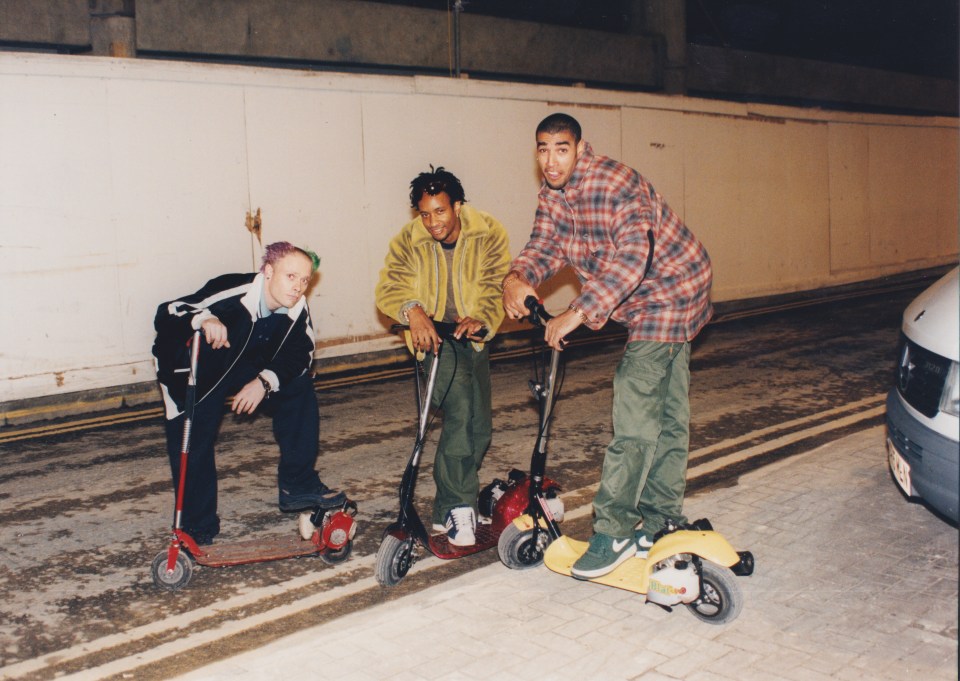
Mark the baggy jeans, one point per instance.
(462, 390)
(645, 466)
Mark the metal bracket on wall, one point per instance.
(254, 224)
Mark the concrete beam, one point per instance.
(113, 29)
(357, 33)
(523, 48)
(65, 23)
(721, 72)
(668, 20)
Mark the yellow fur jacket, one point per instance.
(415, 271)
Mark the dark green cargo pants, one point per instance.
(463, 386)
(645, 467)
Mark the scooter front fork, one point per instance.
(172, 553)
(181, 541)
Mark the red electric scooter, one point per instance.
(327, 533)
(499, 503)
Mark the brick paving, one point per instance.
(852, 582)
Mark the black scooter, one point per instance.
(523, 543)
(500, 502)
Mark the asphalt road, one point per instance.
(84, 512)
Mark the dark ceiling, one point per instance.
(910, 36)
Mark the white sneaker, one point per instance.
(437, 527)
(461, 524)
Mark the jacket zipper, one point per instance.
(229, 368)
(436, 273)
(459, 279)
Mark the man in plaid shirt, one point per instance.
(640, 266)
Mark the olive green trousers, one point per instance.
(462, 391)
(645, 466)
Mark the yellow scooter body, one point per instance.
(634, 574)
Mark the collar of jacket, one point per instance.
(472, 225)
(571, 190)
(251, 300)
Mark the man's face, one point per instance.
(440, 218)
(287, 280)
(557, 154)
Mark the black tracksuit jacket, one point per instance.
(234, 299)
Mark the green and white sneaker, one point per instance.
(644, 543)
(603, 555)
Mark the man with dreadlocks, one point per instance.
(258, 346)
(446, 266)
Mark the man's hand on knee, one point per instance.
(248, 398)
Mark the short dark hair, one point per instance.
(560, 122)
(434, 182)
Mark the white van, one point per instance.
(923, 423)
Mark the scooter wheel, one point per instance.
(335, 556)
(521, 549)
(721, 599)
(394, 559)
(174, 579)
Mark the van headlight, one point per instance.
(950, 400)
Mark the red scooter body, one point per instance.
(327, 533)
(511, 505)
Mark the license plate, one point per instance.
(899, 467)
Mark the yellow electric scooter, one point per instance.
(689, 564)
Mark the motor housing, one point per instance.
(503, 501)
(332, 529)
(674, 581)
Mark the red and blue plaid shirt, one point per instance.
(598, 224)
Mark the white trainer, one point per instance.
(461, 525)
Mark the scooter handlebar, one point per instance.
(444, 329)
(538, 314)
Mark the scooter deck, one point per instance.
(630, 575)
(271, 547)
(487, 536)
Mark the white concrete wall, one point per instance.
(126, 183)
